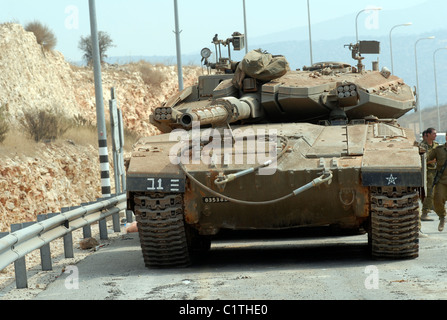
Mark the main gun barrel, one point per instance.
(221, 111)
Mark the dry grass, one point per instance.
(87, 134)
(9, 23)
(4, 125)
(17, 144)
(82, 135)
(130, 138)
(151, 74)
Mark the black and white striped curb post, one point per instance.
(101, 124)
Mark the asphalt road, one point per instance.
(289, 268)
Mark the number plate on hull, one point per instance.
(156, 184)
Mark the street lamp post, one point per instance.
(391, 42)
(417, 82)
(178, 46)
(245, 27)
(356, 21)
(310, 33)
(436, 86)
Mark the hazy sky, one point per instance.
(145, 27)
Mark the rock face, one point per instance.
(63, 174)
(31, 77)
(135, 97)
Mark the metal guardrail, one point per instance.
(31, 236)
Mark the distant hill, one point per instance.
(429, 119)
(341, 27)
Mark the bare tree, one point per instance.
(86, 46)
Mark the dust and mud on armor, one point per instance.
(227, 147)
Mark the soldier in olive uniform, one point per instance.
(440, 189)
(428, 144)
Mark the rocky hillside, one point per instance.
(62, 174)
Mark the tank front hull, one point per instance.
(358, 157)
(346, 206)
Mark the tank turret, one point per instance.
(262, 88)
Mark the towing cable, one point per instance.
(326, 177)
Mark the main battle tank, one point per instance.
(256, 146)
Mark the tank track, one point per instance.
(394, 223)
(162, 231)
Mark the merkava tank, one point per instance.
(256, 146)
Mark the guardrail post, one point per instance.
(68, 239)
(103, 229)
(102, 225)
(20, 264)
(129, 216)
(116, 220)
(87, 230)
(45, 251)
